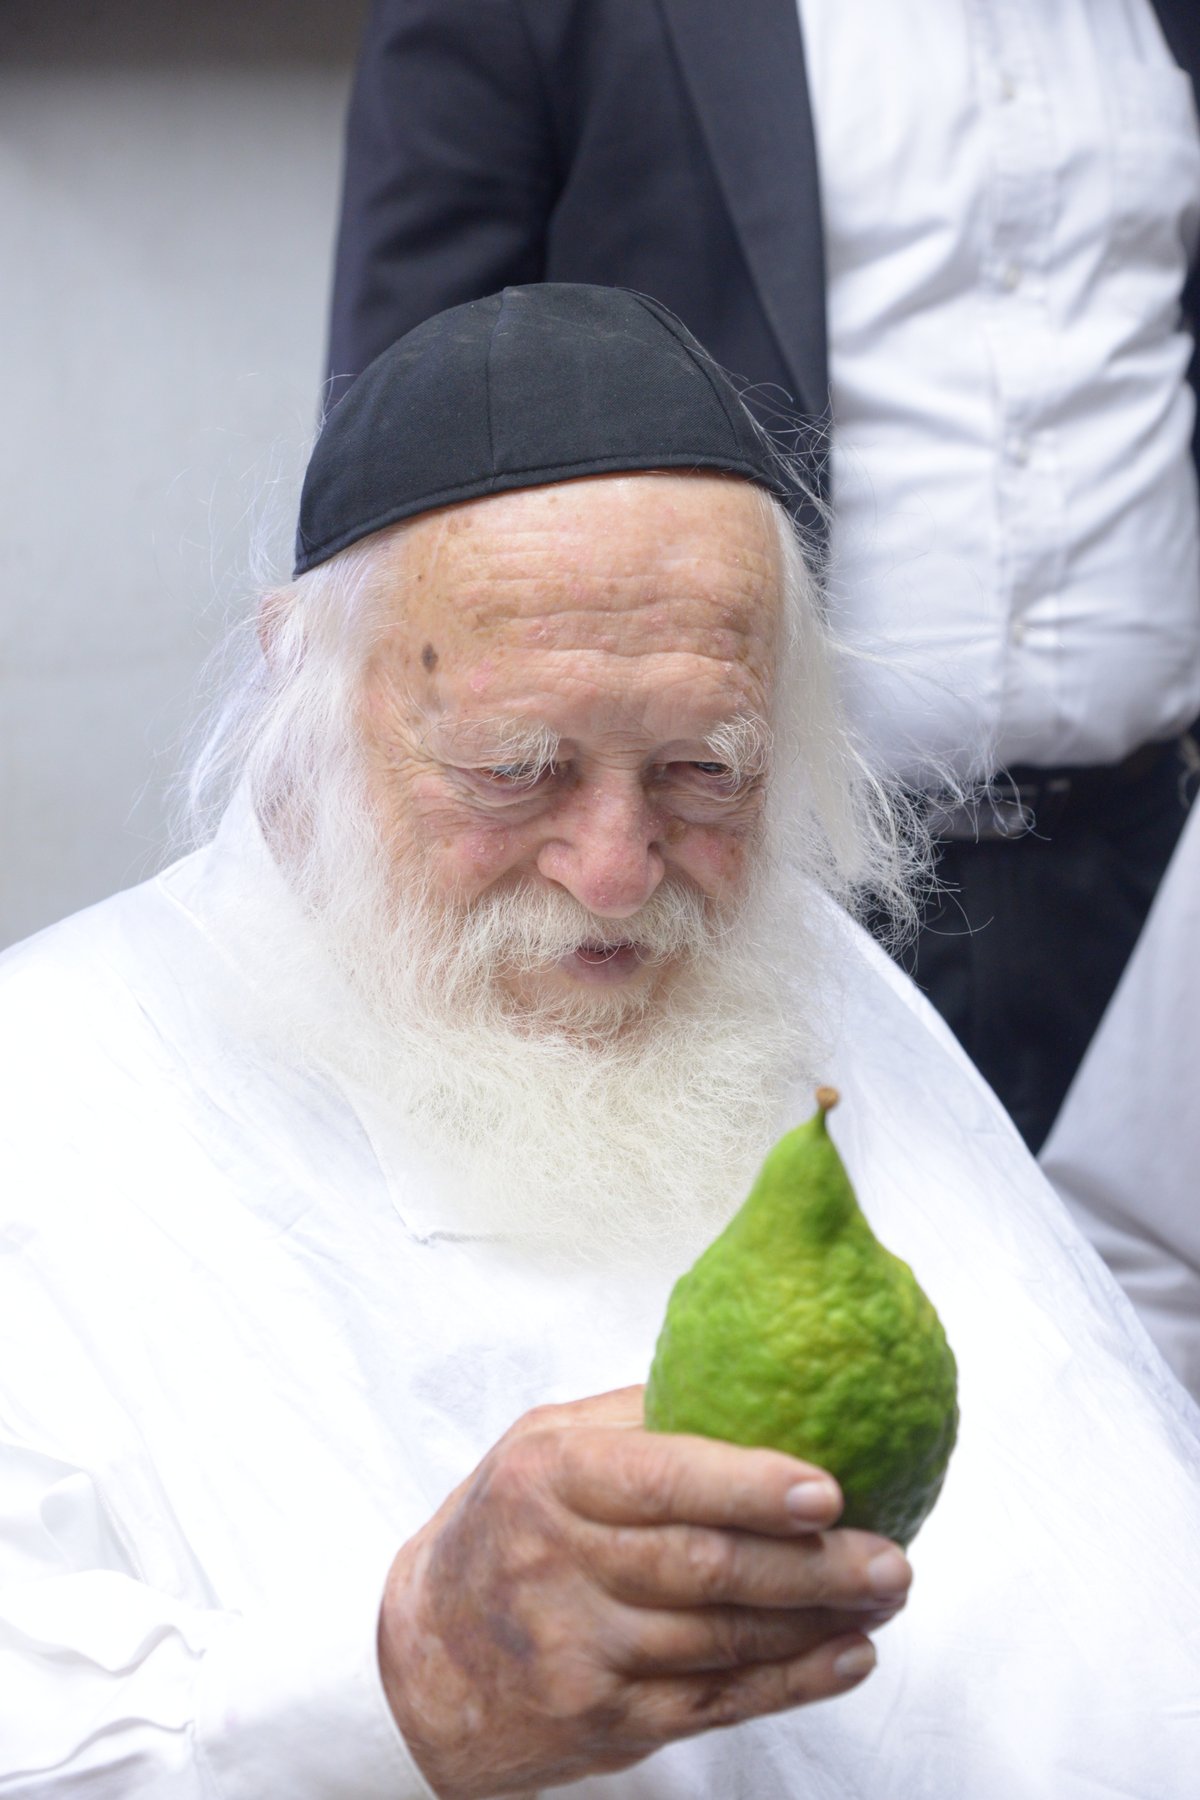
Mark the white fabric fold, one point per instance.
(295, 1706)
(1125, 1149)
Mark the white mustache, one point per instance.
(528, 929)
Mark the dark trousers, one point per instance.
(1026, 939)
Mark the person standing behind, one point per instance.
(959, 242)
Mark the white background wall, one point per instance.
(168, 188)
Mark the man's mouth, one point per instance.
(602, 962)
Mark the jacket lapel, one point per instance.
(744, 69)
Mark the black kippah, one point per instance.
(535, 384)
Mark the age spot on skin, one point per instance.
(429, 658)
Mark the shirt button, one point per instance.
(1008, 87)
(1016, 631)
(1020, 451)
(1010, 279)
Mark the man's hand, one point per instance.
(594, 1591)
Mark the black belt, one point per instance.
(1022, 799)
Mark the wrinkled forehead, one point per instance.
(625, 606)
(587, 560)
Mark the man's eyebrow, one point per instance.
(493, 741)
(742, 743)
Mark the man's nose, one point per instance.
(604, 849)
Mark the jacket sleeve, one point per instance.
(450, 171)
(112, 1689)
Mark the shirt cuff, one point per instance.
(295, 1705)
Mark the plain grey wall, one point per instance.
(168, 188)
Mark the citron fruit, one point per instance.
(797, 1329)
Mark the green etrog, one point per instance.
(797, 1329)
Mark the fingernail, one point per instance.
(811, 1501)
(855, 1662)
(889, 1574)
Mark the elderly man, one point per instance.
(345, 1157)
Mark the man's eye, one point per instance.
(514, 772)
(520, 775)
(713, 780)
(716, 775)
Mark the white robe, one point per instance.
(1125, 1149)
(241, 1360)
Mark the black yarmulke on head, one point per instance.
(532, 385)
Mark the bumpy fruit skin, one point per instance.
(797, 1329)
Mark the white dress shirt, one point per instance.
(242, 1359)
(1011, 197)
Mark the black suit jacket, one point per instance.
(662, 145)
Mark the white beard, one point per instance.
(611, 1123)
